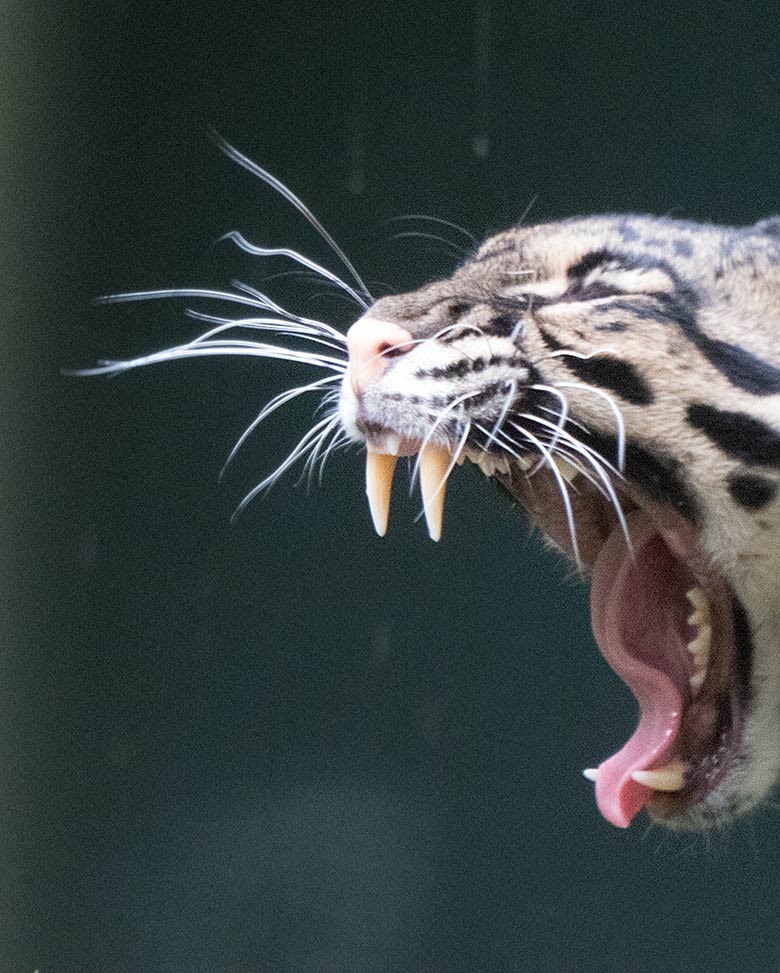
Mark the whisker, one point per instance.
(453, 248)
(234, 236)
(289, 195)
(564, 410)
(167, 292)
(562, 487)
(510, 397)
(276, 403)
(621, 428)
(215, 349)
(435, 219)
(307, 472)
(598, 464)
(429, 435)
(306, 443)
(450, 466)
(258, 324)
(339, 441)
(282, 325)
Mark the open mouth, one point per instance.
(665, 621)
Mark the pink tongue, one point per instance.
(638, 612)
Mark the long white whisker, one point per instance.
(583, 356)
(454, 248)
(340, 438)
(270, 305)
(281, 325)
(276, 403)
(598, 464)
(217, 349)
(564, 411)
(289, 195)
(306, 443)
(569, 421)
(450, 466)
(242, 243)
(510, 397)
(562, 487)
(435, 219)
(168, 292)
(251, 324)
(307, 472)
(429, 435)
(621, 428)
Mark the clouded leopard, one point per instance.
(619, 376)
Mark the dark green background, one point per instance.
(286, 744)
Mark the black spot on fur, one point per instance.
(657, 475)
(740, 366)
(737, 434)
(752, 492)
(456, 310)
(502, 324)
(612, 373)
(660, 478)
(590, 261)
(605, 371)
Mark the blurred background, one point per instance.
(285, 744)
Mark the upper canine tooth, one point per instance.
(379, 482)
(434, 463)
(669, 778)
(591, 773)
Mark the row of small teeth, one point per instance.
(699, 646)
(435, 464)
(669, 779)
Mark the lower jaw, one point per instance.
(704, 737)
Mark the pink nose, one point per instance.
(371, 343)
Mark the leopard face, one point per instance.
(620, 378)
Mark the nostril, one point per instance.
(387, 350)
(371, 344)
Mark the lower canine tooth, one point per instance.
(435, 463)
(379, 482)
(669, 778)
